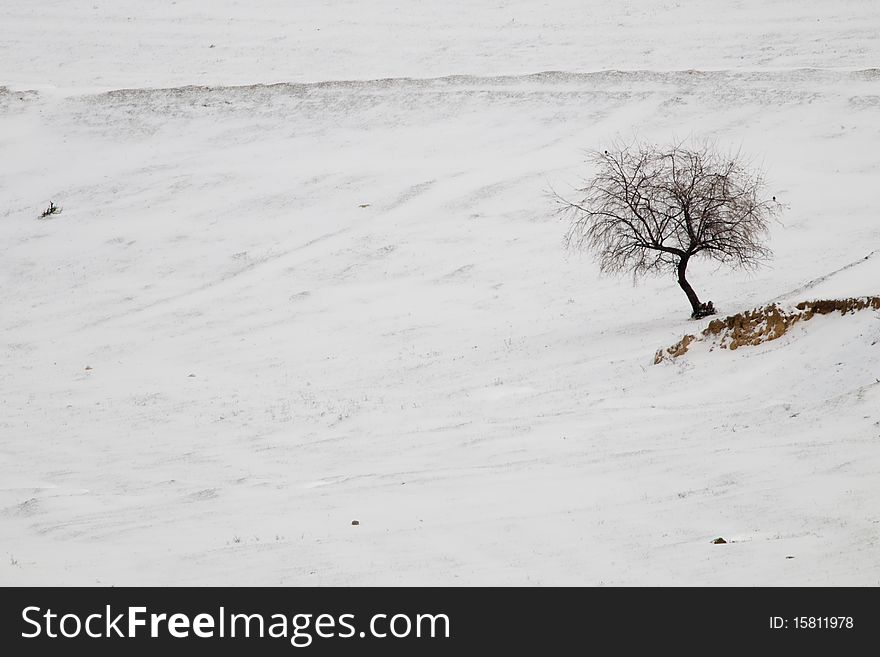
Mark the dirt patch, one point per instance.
(764, 324)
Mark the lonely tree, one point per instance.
(652, 210)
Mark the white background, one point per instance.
(270, 360)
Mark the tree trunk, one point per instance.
(696, 306)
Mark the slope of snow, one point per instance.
(126, 43)
(267, 311)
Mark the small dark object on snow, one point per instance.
(88, 368)
(52, 209)
(704, 310)
(355, 522)
(719, 541)
(191, 376)
(364, 205)
(789, 557)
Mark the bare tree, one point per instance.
(651, 210)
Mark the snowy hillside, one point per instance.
(167, 43)
(267, 310)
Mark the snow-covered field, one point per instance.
(299, 280)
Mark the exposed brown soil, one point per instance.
(758, 325)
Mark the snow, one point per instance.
(345, 297)
(230, 42)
